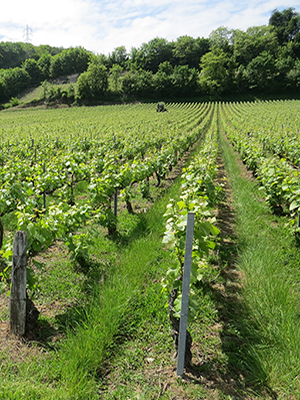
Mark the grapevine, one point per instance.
(198, 195)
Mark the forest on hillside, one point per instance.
(261, 60)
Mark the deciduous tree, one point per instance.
(32, 68)
(217, 69)
(286, 24)
(93, 83)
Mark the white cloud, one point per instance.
(103, 25)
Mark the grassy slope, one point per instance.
(31, 94)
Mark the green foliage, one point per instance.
(151, 54)
(44, 63)
(188, 51)
(12, 55)
(269, 262)
(216, 72)
(82, 174)
(31, 66)
(93, 83)
(260, 71)
(184, 80)
(248, 45)
(69, 61)
(163, 83)
(78, 246)
(262, 59)
(53, 93)
(286, 23)
(197, 196)
(115, 75)
(118, 57)
(221, 38)
(14, 81)
(138, 83)
(272, 157)
(59, 222)
(174, 236)
(168, 81)
(259, 336)
(14, 101)
(293, 76)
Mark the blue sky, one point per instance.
(101, 25)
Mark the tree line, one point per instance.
(263, 59)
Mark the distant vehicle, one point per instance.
(161, 107)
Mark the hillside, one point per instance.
(31, 94)
(262, 61)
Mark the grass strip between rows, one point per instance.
(269, 327)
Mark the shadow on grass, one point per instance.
(96, 274)
(130, 228)
(43, 334)
(49, 329)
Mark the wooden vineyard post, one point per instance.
(116, 203)
(1, 234)
(18, 284)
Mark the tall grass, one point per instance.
(269, 262)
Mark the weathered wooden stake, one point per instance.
(1, 234)
(18, 285)
(72, 184)
(116, 203)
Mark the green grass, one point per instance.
(268, 321)
(31, 94)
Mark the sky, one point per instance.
(101, 25)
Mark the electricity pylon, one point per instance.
(27, 34)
